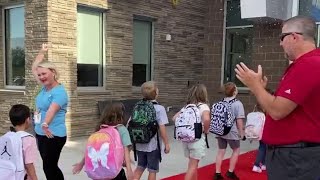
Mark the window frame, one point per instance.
(225, 54)
(104, 63)
(151, 61)
(224, 48)
(5, 46)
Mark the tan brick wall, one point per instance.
(35, 34)
(193, 55)
(175, 62)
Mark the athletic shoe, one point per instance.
(232, 175)
(217, 176)
(256, 169)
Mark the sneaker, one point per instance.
(256, 169)
(217, 176)
(263, 167)
(232, 175)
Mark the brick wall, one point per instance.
(35, 34)
(266, 51)
(193, 55)
(175, 62)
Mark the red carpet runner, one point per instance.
(243, 169)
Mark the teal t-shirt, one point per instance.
(124, 135)
(44, 99)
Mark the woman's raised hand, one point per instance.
(44, 47)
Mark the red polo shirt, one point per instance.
(300, 84)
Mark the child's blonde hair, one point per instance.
(198, 93)
(49, 65)
(149, 90)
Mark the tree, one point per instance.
(18, 57)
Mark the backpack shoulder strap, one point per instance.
(233, 100)
(199, 104)
(154, 102)
(23, 134)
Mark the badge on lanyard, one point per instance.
(37, 117)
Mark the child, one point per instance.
(259, 164)
(196, 150)
(20, 118)
(113, 115)
(233, 137)
(148, 153)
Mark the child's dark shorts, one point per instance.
(149, 160)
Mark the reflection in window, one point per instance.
(238, 41)
(310, 8)
(90, 48)
(14, 46)
(238, 49)
(142, 47)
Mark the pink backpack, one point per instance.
(104, 154)
(254, 125)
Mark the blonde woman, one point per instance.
(50, 114)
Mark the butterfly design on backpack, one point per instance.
(99, 155)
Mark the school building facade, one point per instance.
(105, 49)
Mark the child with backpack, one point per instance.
(259, 164)
(108, 148)
(230, 133)
(147, 131)
(191, 125)
(18, 148)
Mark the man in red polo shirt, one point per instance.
(292, 128)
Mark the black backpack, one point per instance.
(143, 125)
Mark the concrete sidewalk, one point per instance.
(172, 163)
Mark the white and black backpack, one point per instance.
(222, 118)
(188, 125)
(11, 156)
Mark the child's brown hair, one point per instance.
(258, 106)
(229, 88)
(198, 93)
(113, 114)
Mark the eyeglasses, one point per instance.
(283, 35)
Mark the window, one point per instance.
(142, 52)
(311, 8)
(238, 41)
(14, 46)
(90, 48)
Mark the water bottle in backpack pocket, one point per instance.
(104, 155)
(222, 118)
(188, 124)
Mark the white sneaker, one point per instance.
(256, 169)
(263, 167)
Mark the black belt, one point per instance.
(297, 145)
